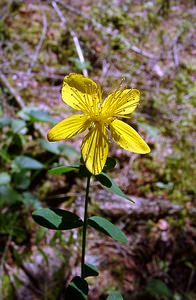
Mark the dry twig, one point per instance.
(39, 45)
(12, 90)
(74, 36)
(175, 52)
(18, 99)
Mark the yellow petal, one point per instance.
(81, 93)
(127, 138)
(121, 102)
(69, 127)
(95, 149)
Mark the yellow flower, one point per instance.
(100, 118)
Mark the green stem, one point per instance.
(85, 226)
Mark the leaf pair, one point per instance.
(58, 219)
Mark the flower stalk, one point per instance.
(84, 231)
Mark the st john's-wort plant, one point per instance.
(101, 121)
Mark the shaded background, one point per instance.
(152, 45)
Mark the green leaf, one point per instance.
(77, 289)
(110, 164)
(21, 179)
(63, 169)
(27, 163)
(158, 287)
(59, 149)
(80, 65)
(31, 201)
(4, 178)
(57, 219)
(69, 151)
(8, 195)
(105, 226)
(115, 296)
(5, 121)
(18, 126)
(40, 233)
(48, 146)
(5, 155)
(35, 114)
(90, 270)
(111, 186)
(41, 116)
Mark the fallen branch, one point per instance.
(44, 74)
(39, 46)
(12, 90)
(18, 99)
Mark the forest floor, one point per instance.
(151, 45)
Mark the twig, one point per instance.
(39, 45)
(59, 13)
(45, 74)
(105, 69)
(74, 36)
(12, 90)
(175, 53)
(190, 279)
(79, 51)
(19, 99)
(106, 30)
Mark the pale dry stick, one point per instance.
(18, 99)
(74, 36)
(190, 279)
(79, 51)
(106, 30)
(105, 69)
(175, 52)
(44, 74)
(12, 90)
(39, 45)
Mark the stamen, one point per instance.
(119, 87)
(100, 94)
(119, 102)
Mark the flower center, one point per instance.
(99, 119)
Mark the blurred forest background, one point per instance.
(152, 45)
